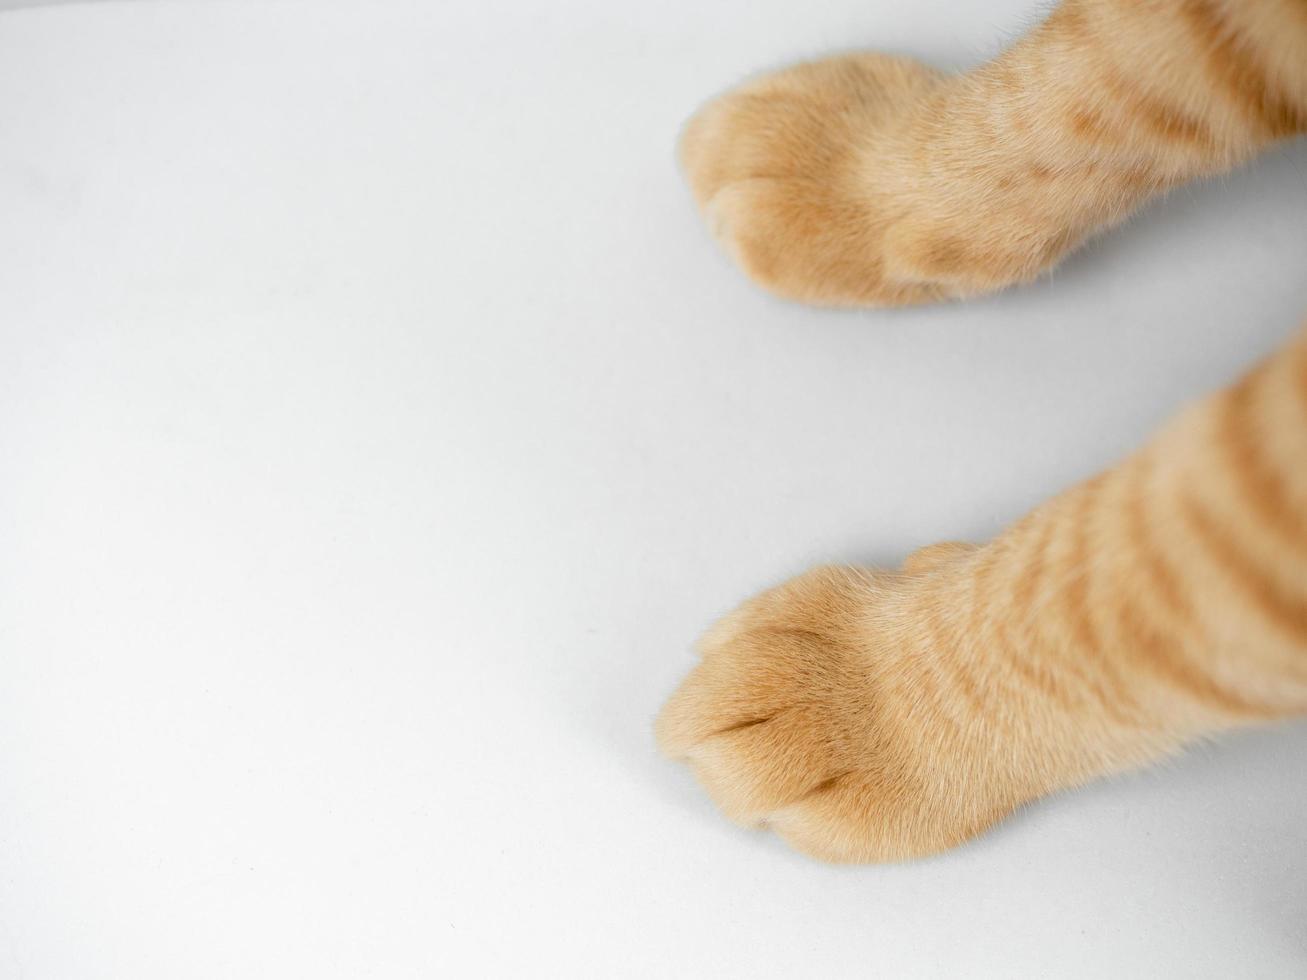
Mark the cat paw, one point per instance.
(800, 720)
(779, 168)
(871, 180)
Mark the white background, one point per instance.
(378, 428)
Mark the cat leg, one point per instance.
(872, 716)
(874, 180)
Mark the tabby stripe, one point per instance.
(1166, 121)
(1022, 599)
(1110, 687)
(1260, 487)
(1238, 68)
(1161, 647)
(1286, 610)
(992, 635)
(1160, 576)
(1092, 125)
(1163, 653)
(1160, 116)
(1076, 593)
(1033, 670)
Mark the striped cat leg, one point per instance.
(870, 716)
(873, 180)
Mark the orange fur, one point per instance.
(873, 180)
(870, 715)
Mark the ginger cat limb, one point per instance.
(873, 180)
(869, 715)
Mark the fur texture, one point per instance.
(869, 715)
(872, 180)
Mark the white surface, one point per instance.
(378, 428)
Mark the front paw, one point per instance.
(784, 170)
(808, 715)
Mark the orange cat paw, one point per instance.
(780, 168)
(872, 180)
(799, 720)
